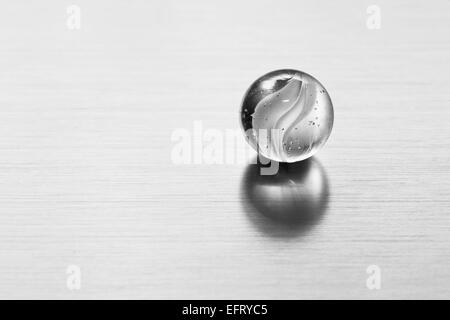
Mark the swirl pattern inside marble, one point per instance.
(287, 115)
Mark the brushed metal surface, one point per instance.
(87, 179)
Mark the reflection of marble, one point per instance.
(287, 115)
(288, 203)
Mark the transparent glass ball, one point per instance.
(287, 115)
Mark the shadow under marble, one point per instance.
(289, 203)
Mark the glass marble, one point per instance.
(287, 115)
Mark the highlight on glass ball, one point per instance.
(287, 115)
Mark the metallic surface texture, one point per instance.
(87, 179)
